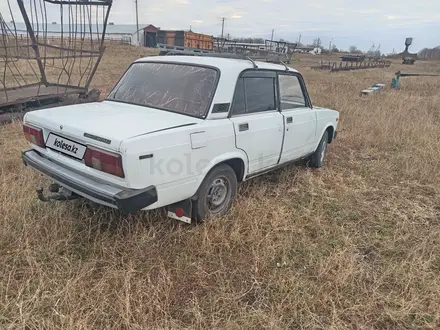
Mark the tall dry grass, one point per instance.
(354, 245)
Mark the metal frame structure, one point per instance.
(407, 57)
(395, 83)
(348, 66)
(37, 64)
(271, 51)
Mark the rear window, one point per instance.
(185, 89)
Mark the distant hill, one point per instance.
(430, 53)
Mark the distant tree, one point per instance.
(335, 49)
(377, 54)
(353, 49)
(316, 42)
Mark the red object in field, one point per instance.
(34, 135)
(104, 161)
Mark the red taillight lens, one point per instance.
(104, 161)
(34, 135)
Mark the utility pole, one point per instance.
(223, 26)
(330, 48)
(137, 22)
(299, 41)
(271, 39)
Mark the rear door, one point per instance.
(258, 124)
(299, 117)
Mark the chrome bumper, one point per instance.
(124, 199)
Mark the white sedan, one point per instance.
(179, 132)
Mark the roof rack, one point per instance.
(253, 62)
(220, 55)
(287, 68)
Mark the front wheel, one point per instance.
(318, 157)
(216, 193)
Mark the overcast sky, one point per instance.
(347, 22)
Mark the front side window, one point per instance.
(291, 93)
(180, 88)
(254, 94)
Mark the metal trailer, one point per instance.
(353, 58)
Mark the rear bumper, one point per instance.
(124, 199)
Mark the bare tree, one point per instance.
(353, 49)
(430, 53)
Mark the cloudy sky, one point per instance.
(346, 22)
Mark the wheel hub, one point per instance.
(324, 149)
(217, 192)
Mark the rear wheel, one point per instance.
(317, 159)
(216, 193)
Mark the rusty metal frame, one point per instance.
(32, 50)
(349, 66)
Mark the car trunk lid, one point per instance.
(105, 124)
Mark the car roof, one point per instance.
(223, 64)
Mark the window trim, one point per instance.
(210, 102)
(308, 103)
(259, 73)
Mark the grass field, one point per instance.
(357, 242)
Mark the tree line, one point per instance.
(430, 53)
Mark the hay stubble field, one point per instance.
(354, 245)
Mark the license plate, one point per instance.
(66, 146)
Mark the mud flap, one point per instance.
(181, 211)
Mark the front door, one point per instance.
(299, 118)
(259, 126)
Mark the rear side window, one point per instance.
(239, 106)
(260, 94)
(254, 94)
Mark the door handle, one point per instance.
(289, 120)
(243, 127)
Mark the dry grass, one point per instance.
(358, 240)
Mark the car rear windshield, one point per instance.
(181, 88)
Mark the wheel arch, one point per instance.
(237, 161)
(329, 127)
(331, 132)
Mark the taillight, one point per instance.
(34, 135)
(104, 161)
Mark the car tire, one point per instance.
(216, 193)
(318, 157)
